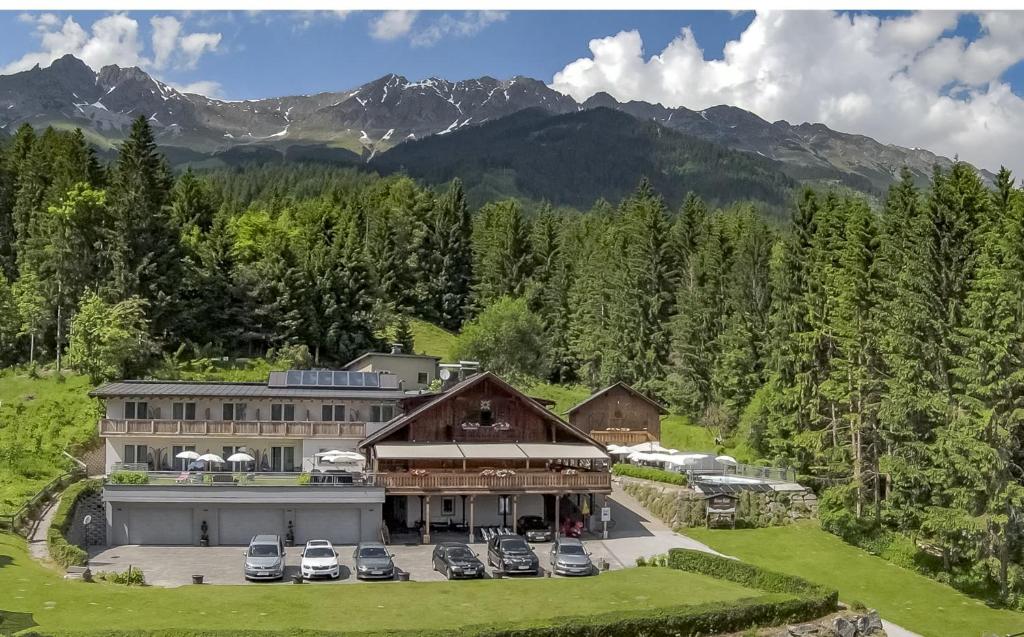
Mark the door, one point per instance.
(237, 525)
(340, 525)
(181, 464)
(153, 525)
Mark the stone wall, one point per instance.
(95, 460)
(94, 533)
(683, 507)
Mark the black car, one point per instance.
(457, 561)
(512, 554)
(535, 528)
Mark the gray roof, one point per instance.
(235, 390)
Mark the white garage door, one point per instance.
(155, 525)
(340, 525)
(238, 524)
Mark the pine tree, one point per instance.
(403, 335)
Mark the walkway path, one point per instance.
(37, 547)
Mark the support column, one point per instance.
(472, 512)
(515, 512)
(558, 517)
(426, 521)
(604, 525)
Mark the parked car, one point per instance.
(456, 561)
(319, 559)
(264, 559)
(512, 554)
(373, 561)
(570, 557)
(535, 528)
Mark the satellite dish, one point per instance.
(87, 520)
(446, 374)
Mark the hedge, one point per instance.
(61, 551)
(785, 599)
(649, 473)
(129, 477)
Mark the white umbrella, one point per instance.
(211, 457)
(241, 457)
(188, 455)
(690, 458)
(343, 456)
(651, 447)
(332, 452)
(729, 460)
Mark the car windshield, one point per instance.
(263, 550)
(373, 551)
(534, 524)
(460, 554)
(571, 549)
(319, 551)
(514, 545)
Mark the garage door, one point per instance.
(154, 525)
(237, 525)
(339, 525)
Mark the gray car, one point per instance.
(373, 561)
(264, 559)
(570, 557)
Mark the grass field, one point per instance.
(432, 340)
(39, 417)
(913, 601)
(565, 396)
(59, 605)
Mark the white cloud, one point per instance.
(113, 39)
(391, 25)
(208, 88)
(468, 24)
(899, 80)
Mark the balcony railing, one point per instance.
(413, 482)
(252, 479)
(256, 428)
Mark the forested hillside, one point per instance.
(881, 352)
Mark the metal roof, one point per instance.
(631, 390)
(487, 451)
(731, 488)
(562, 451)
(235, 390)
(441, 451)
(491, 451)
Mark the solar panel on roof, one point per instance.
(294, 378)
(309, 378)
(325, 379)
(341, 379)
(355, 379)
(372, 380)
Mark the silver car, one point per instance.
(570, 557)
(264, 559)
(373, 561)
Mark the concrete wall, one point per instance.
(255, 409)
(407, 368)
(485, 511)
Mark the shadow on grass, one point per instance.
(12, 622)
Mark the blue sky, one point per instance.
(939, 80)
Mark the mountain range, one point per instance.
(392, 122)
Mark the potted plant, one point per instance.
(204, 535)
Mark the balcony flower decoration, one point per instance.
(419, 472)
(570, 472)
(497, 473)
(503, 425)
(470, 425)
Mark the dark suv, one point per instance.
(456, 561)
(512, 554)
(534, 528)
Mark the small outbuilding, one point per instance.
(618, 414)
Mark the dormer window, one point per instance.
(486, 415)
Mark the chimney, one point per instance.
(396, 348)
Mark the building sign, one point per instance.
(606, 514)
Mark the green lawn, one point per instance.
(58, 605)
(432, 340)
(913, 601)
(39, 417)
(565, 396)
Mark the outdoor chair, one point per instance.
(183, 477)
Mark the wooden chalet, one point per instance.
(618, 414)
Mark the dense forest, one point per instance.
(879, 351)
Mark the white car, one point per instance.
(319, 559)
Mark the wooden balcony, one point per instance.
(624, 437)
(475, 482)
(223, 428)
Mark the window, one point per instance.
(282, 459)
(486, 416)
(181, 464)
(228, 451)
(448, 507)
(136, 454)
(234, 411)
(183, 411)
(135, 410)
(423, 378)
(382, 413)
(333, 412)
(282, 411)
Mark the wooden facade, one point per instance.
(617, 408)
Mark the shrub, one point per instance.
(303, 478)
(649, 473)
(61, 551)
(129, 477)
(131, 577)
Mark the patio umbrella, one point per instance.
(651, 447)
(727, 460)
(211, 457)
(343, 456)
(187, 455)
(241, 457)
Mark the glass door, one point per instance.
(181, 464)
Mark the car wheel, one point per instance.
(448, 574)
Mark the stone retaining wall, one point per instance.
(683, 507)
(94, 533)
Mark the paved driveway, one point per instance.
(636, 533)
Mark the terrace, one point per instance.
(263, 428)
(131, 475)
(419, 481)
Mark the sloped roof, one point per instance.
(661, 410)
(461, 387)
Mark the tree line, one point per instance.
(878, 349)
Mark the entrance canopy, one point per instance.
(439, 451)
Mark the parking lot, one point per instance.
(635, 534)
